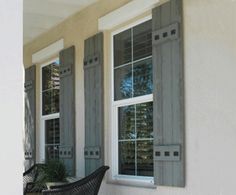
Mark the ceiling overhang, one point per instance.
(40, 16)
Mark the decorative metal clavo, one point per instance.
(170, 32)
(65, 152)
(92, 152)
(65, 70)
(167, 153)
(28, 154)
(92, 60)
(28, 85)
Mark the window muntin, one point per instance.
(50, 88)
(133, 79)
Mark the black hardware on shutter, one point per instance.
(29, 142)
(168, 95)
(93, 86)
(67, 109)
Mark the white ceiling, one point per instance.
(41, 15)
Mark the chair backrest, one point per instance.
(31, 174)
(89, 185)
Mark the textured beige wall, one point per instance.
(210, 92)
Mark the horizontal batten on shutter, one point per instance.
(170, 32)
(91, 61)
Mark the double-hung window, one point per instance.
(50, 89)
(132, 102)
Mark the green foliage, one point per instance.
(52, 171)
(55, 171)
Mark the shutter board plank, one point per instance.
(93, 101)
(178, 95)
(168, 95)
(67, 107)
(92, 141)
(157, 108)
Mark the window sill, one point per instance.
(142, 182)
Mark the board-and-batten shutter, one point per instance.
(29, 142)
(168, 95)
(93, 87)
(67, 109)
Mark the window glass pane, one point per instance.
(47, 97)
(144, 120)
(123, 83)
(135, 132)
(145, 158)
(52, 138)
(55, 79)
(122, 48)
(127, 158)
(55, 101)
(142, 40)
(143, 77)
(49, 131)
(50, 101)
(52, 131)
(46, 78)
(126, 122)
(50, 88)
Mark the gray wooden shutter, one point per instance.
(67, 109)
(29, 142)
(93, 86)
(168, 95)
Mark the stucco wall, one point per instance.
(210, 92)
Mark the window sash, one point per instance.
(115, 104)
(42, 141)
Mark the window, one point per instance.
(50, 89)
(132, 101)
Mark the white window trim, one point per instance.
(48, 51)
(125, 13)
(43, 118)
(115, 178)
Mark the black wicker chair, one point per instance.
(87, 186)
(29, 177)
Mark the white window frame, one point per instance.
(124, 179)
(43, 118)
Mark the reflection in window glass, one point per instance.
(145, 158)
(133, 62)
(142, 77)
(122, 48)
(142, 40)
(52, 138)
(127, 158)
(50, 88)
(136, 139)
(123, 82)
(127, 122)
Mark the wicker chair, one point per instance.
(29, 177)
(87, 186)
